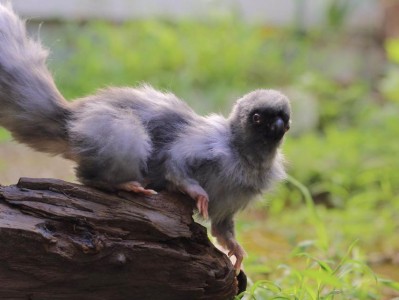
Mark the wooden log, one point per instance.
(60, 240)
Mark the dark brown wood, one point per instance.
(60, 240)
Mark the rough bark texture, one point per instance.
(60, 240)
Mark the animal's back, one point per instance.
(126, 129)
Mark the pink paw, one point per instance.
(136, 187)
(202, 205)
(239, 254)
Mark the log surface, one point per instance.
(60, 240)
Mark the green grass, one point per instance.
(4, 135)
(209, 65)
(351, 171)
(314, 258)
(347, 162)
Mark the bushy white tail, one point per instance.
(31, 107)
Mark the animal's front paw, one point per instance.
(200, 196)
(202, 205)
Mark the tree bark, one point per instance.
(60, 240)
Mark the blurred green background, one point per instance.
(331, 230)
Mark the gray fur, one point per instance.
(125, 134)
(31, 106)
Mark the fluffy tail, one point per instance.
(31, 107)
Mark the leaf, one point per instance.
(389, 283)
(392, 49)
(322, 277)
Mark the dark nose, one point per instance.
(277, 128)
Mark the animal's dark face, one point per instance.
(260, 118)
(264, 116)
(269, 123)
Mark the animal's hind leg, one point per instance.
(112, 147)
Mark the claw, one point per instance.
(237, 265)
(202, 206)
(237, 269)
(238, 252)
(136, 187)
(197, 193)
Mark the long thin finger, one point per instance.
(149, 192)
(199, 207)
(205, 209)
(237, 266)
(237, 269)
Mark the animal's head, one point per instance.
(261, 117)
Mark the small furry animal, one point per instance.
(142, 140)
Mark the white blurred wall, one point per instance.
(275, 12)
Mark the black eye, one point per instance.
(256, 118)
